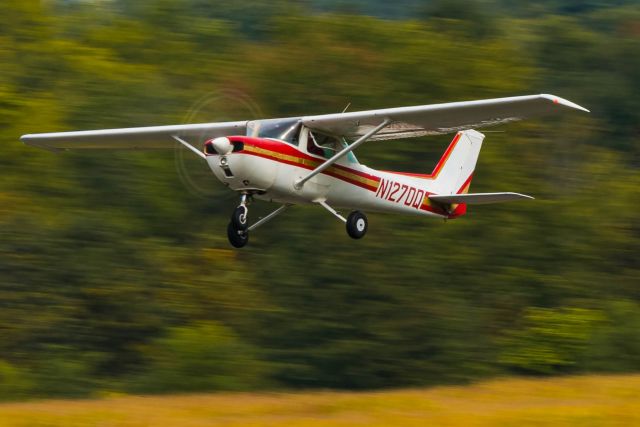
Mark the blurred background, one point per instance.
(115, 271)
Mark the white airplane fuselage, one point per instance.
(310, 160)
(268, 168)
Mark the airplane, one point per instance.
(310, 160)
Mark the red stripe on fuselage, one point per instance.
(466, 184)
(439, 166)
(303, 160)
(459, 210)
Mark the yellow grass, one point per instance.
(574, 401)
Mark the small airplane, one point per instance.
(310, 160)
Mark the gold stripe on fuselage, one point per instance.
(281, 156)
(313, 164)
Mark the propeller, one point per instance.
(216, 106)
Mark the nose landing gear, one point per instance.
(237, 230)
(237, 238)
(240, 216)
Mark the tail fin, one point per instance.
(452, 174)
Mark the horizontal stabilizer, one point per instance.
(478, 198)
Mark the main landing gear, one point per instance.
(357, 225)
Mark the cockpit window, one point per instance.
(350, 156)
(327, 145)
(287, 130)
(321, 145)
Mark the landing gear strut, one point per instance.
(240, 216)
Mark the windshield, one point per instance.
(286, 130)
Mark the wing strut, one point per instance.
(299, 183)
(189, 146)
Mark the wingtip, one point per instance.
(562, 101)
(525, 196)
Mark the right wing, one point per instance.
(132, 138)
(437, 119)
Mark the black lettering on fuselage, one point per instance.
(412, 194)
(400, 193)
(396, 187)
(382, 188)
(418, 200)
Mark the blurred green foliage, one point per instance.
(115, 272)
(199, 358)
(14, 382)
(615, 345)
(551, 340)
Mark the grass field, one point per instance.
(571, 401)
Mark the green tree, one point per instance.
(201, 357)
(15, 383)
(549, 340)
(615, 345)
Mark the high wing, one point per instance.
(403, 122)
(132, 138)
(407, 122)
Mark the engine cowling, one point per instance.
(221, 145)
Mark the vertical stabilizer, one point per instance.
(453, 172)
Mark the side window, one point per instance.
(321, 145)
(350, 156)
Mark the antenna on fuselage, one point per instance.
(345, 108)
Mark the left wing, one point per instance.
(132, 138)
(436, 119)
(478, 198)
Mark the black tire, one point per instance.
(237, 238)
(240, 218)
(357, 225)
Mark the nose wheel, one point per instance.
(237, 230)
(237, 238)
